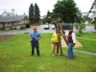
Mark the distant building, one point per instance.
(84, 13)
(92, 11)
(9, 20)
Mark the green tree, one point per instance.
(44, 19)
(31, 14)
(48, 17)
(67, 9)
(36, 13)
(80, 22)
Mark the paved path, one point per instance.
(14, 32)
(85, 52)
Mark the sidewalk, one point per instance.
(15, 32)
(85, 52)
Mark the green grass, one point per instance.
(88, 41)
(15, 56)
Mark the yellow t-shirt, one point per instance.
(54, 37)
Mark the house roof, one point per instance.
(7, 14)
(10, 17)
(93, 16)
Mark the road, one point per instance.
(40, 29)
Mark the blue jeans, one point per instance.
(70, 50)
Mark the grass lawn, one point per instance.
(15, 56)
(89, 41)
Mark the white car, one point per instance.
(46, 26)
(53, 26)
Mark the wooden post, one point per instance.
(59, 48)
(60, 33)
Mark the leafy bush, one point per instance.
(80, 27)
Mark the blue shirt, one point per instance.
(35, 36)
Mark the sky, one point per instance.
(22, 6)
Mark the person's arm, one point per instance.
(52, 37)
(74, 39)
(39, 35)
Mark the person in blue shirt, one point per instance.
(35, 36)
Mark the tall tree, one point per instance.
(48, 17)
(31, 14)
(67, 9)
(37, 13)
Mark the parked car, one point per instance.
(53, 26)
(46, 26)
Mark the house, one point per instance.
(92, 11)
(9, 20)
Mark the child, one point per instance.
(55, 42)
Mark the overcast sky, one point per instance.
(21, 6)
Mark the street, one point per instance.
(40, 29)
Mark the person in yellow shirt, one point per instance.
(55, 43)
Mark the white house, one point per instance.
(9, 20)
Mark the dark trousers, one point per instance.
(35, 44)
